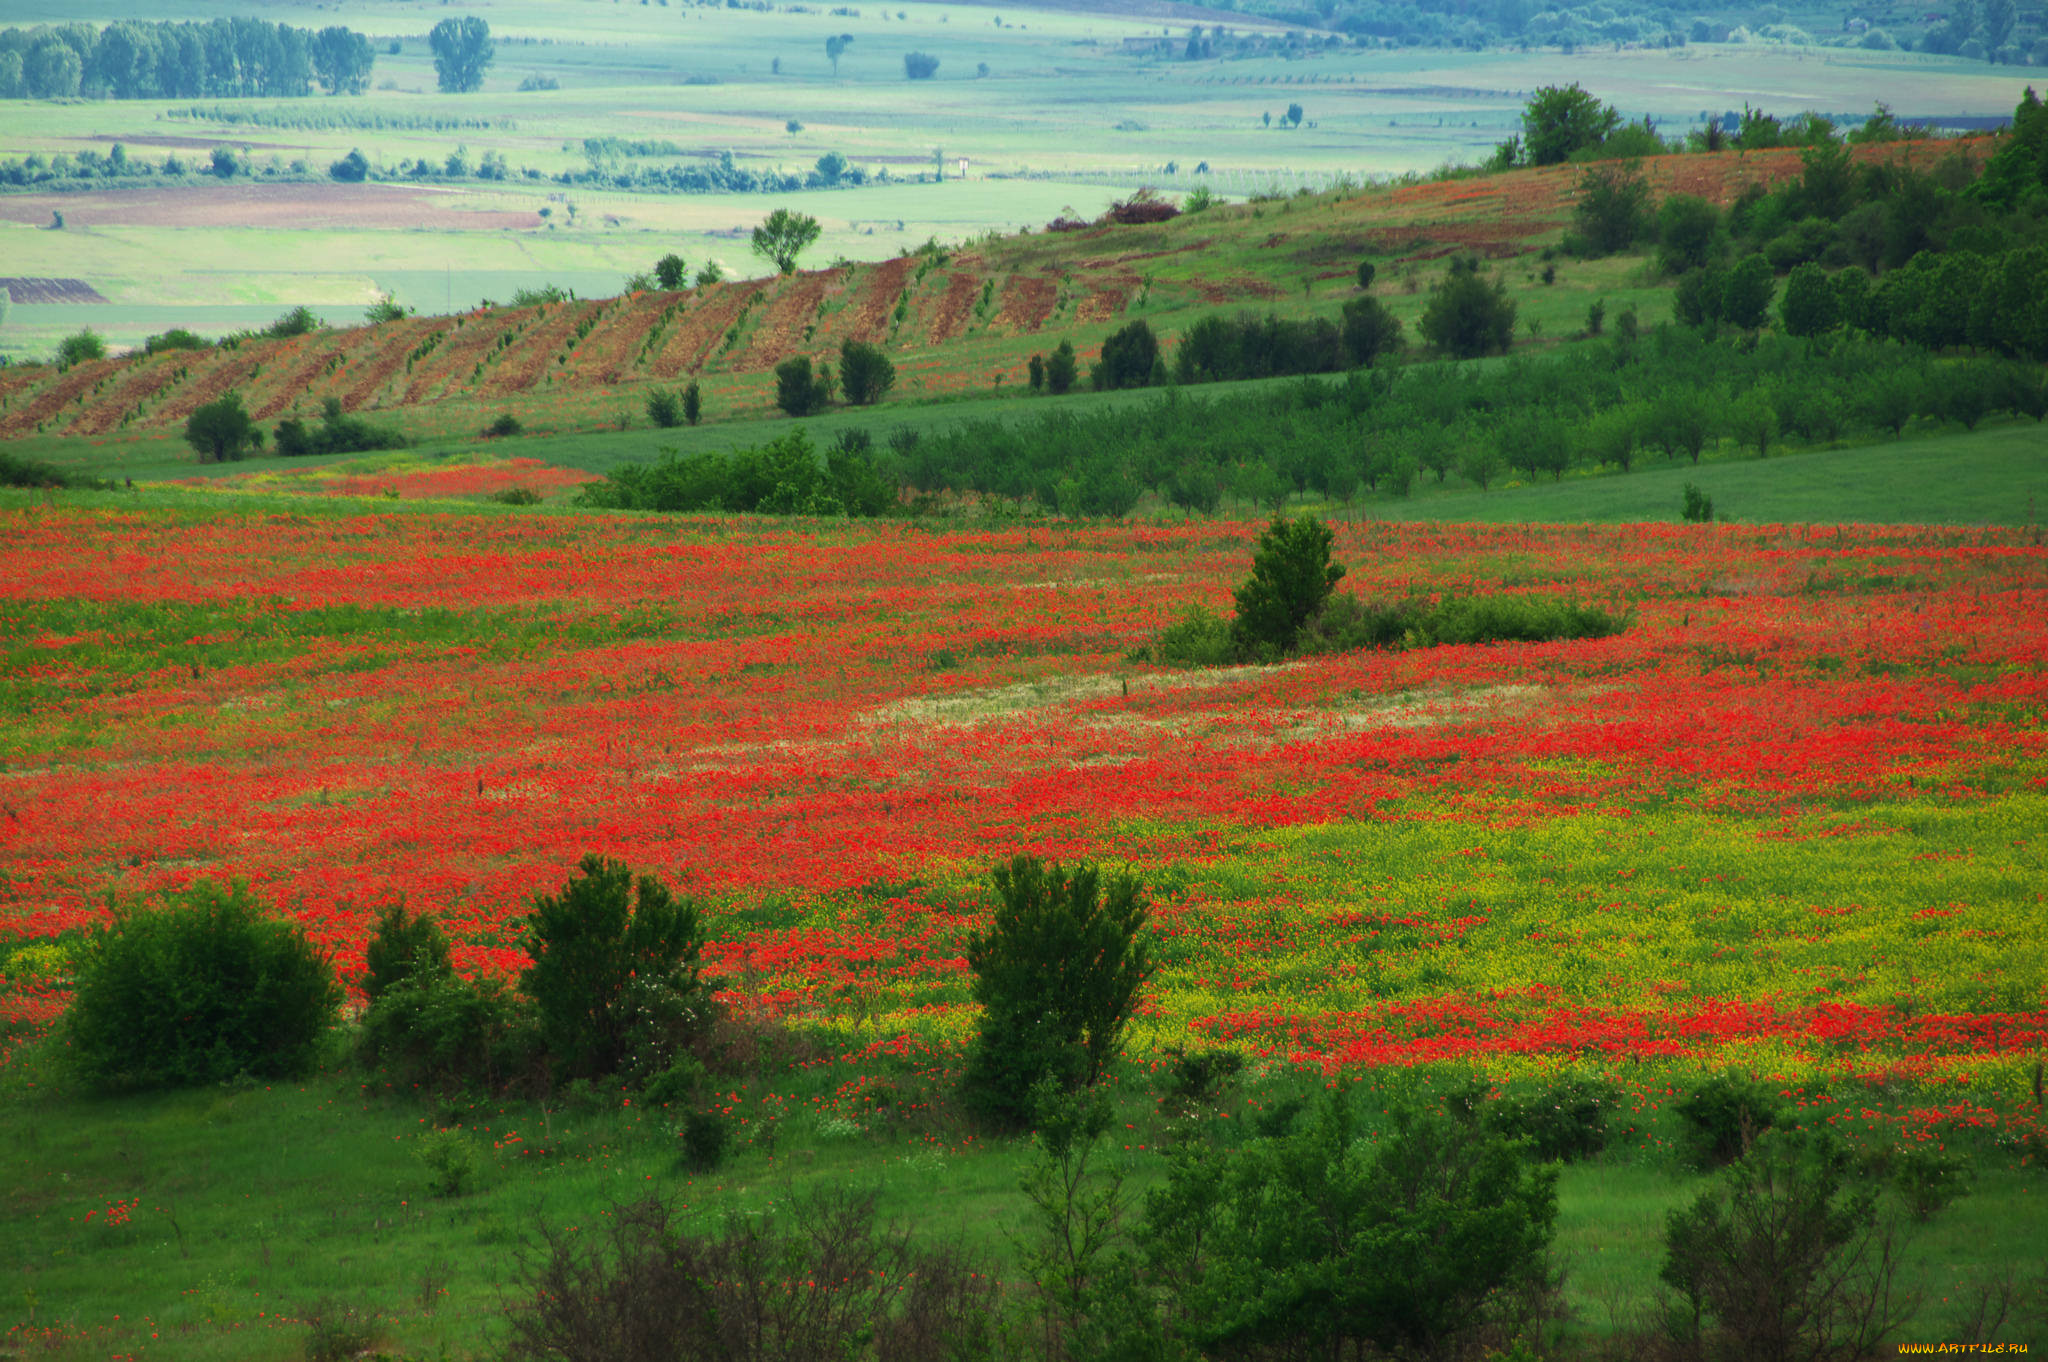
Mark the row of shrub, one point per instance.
(1437, 1214)
(786, 476)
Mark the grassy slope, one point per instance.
(260, 1204)
(966, 326)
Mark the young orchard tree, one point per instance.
(783, 236)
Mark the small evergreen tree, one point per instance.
(1061, 369)
(1291, 577)
(693, 403)
(1057, 975)
(615, 970)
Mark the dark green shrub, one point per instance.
(1782, 1261)
(517, 496)
(297, 322)
(1347, 623)
(403, 945)
(434, 1029)
(1057, 975)
(800, 392)
(1928, 1178)
(664, 408)
(177, 338)
(17, 470)
(1061, 368)
(1371, 331)
(1516, 619)
(1200, 639)
(865, 373)
(504, 424)
(1196, 1082)
(1035, 369)
(221, 430)
(201, 990)
(818, 1278)
(693, 403)
(1366, 273)
(1318, 1240)
(1723, 1116)
(1561, 1122)
(670, 271)
(1699, 507)
(614, 978)
(1613, 208)
(1291, 577)
(1128, 357)
(1467, 317)
(80, 346)
(704, 1140)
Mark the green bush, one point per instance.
(80, 346)
(1291, 577)
(1514, 619)
(614, 980)
(1057, 975)
(204, 989)
(1723, 1116)
(504, 424)
(435, 1030)
(865, 373)
(1347, 623)
(449, 1156)
(705, 1139)
(1782, 1260)
(1319, 1240)
(1560, 1122)
(1200, 639)
(177, 338)
(693, 403)
(403, 944)
(800, 392)
(664, 408)
(1467, 317)
(1061, 368)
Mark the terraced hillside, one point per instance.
(956, 321)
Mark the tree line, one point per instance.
(1667, 394)
(135, 59)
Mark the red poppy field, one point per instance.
(1789, 821)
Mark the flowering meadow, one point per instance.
(1789, 821)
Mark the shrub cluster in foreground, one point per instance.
(1433, 1218)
